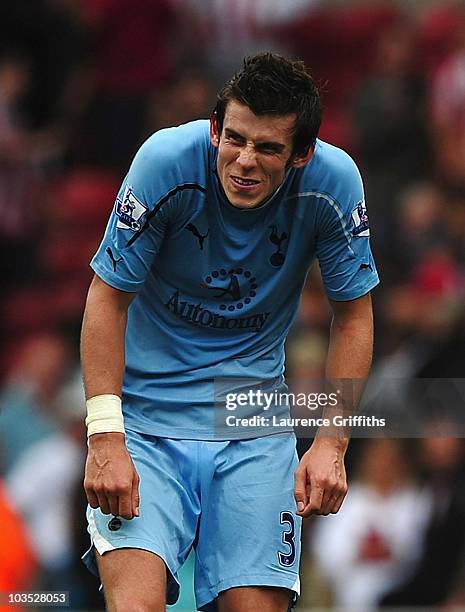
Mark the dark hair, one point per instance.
(270, 84)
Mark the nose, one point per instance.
(247, 157)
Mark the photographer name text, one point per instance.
(335, 421)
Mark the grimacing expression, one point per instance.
(254, 152)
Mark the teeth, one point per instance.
(245, 181)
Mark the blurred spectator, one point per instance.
(134, 53)
(424, 311)
(20, 177)
(454, 219)
(448, 110)
(17, 561)
(51, 35)
(425, 275)
(58, 283)
(389, 123)
(26, 403)
(77, 207)
(28, 156)
(375, 540)
(439, 25)
(190, 96)
(15, 75)
(447, 360)
(232, 29)
(418, 227)
(435, 578)
(338, 44)
(41, 485)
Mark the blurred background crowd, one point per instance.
(82, 84)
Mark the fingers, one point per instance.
(125, 507)
(308, 496)
(320, 480)
(135, 495)
(327, 501)
(96, 497)
(112, 483)
(113, 502)
(338, 502)
(119, 500)
(300, 489)
(320, 498)
(130, 501)
(315, 500)
(332, 499)
(92, 499)
(103, 502)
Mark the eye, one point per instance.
(268, 150)
(234, 139)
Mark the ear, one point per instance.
(302, 160)
(214, 132)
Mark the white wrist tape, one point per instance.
(104, 414)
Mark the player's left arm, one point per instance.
(320, 479)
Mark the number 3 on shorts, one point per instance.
(288, 537)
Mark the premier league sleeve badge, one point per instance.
(129, 210)
(361, 226)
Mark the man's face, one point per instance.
(254, 153)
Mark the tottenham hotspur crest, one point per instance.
(129, 211)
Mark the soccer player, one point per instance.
(198, 280)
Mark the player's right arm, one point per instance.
(111, 481)
(149, 202)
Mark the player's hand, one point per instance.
(111, 481)
(320, 478)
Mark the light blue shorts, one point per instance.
(232, 501)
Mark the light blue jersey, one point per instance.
(219, 287)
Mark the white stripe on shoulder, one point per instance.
(101, 544)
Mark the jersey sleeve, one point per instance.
(343, 238)
(140, 218)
